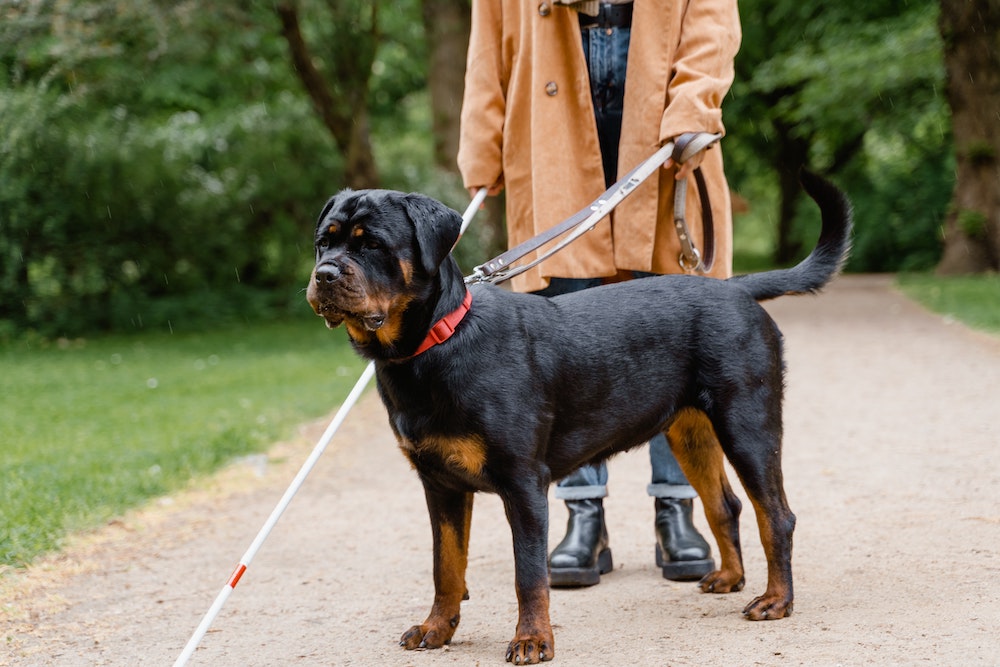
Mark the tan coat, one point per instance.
(528, 118)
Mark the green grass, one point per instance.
(91, 428)
(972, 300)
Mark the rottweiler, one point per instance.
(489, 390)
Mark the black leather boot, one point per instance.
(681, 551)
(583, 555)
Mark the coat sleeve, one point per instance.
(703, 68)
(480, 146)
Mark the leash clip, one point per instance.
(690, 265)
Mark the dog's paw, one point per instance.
(768, 608)
(721, 581)
(428, 635)
(530, 650)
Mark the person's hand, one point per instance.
(687, 169)
(491, 190)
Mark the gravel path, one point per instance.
(891, 466)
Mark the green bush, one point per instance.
(100, 215)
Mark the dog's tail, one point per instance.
(826, 259)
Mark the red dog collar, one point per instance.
(445, 327)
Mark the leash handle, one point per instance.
(691, 260)
(690, 143)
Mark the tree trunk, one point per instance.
(971, 33)
(792, 154)
(345, 116)
(447, 24)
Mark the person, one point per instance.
(561, 97)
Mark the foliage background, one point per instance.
(854, 90)
(161, 165)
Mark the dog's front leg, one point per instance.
(527, 510)
(450, 515)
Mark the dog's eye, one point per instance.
(372, 244)
(323, 244)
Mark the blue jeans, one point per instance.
(606, 52)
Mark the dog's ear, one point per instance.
(437, 228)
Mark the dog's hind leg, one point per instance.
(451, 516)
(694, 444)
(752, 442)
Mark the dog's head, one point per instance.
(377, 253)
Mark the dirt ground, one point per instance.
(891, 466)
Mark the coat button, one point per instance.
(544, 9)
(551, 88)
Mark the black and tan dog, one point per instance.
(501, 392)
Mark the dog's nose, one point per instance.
(327, 273)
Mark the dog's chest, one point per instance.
(426, 430)
(466, 455)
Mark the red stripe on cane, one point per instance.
(235, 579)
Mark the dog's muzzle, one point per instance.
(334, 299)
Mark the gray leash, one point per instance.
(502, 268)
